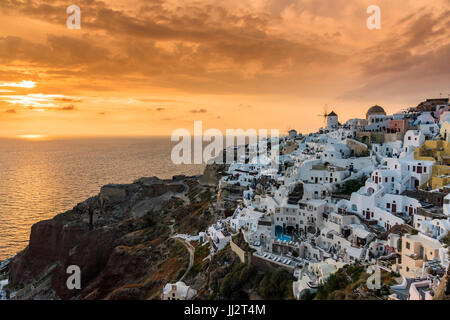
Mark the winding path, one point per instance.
(191, 250)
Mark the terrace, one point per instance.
(278, 259)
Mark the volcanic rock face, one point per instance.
(119, 239)
(49, 240)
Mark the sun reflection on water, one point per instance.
(32, 136)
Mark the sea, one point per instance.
(42, 178)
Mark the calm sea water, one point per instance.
(39, 179)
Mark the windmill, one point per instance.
(324, 115)
(288, 128)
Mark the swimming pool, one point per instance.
(283, 237)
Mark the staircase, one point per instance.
(363, 255)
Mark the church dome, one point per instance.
(375, 110)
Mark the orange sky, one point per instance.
(149, 67)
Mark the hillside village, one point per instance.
(314, 222)
(371, 191)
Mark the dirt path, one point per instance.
(191, 250)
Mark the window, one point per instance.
(408, 246)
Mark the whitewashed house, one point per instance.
(178, 291)
(219, 237)
(413, 139)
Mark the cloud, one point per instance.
(10, 111)
(31, 100)
(244, 106)
(278, 56)
(196, 47)
(67, 108)
(415, 56)
(58, 52)
(22, 84)
(65, 99)
(198, 111)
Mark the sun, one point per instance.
(32, 136)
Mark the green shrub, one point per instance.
(276, 285)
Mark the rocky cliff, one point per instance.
(120, 239)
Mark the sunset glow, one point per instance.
(32, 136)
(140, 69)
(22, 84)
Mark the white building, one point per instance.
(178, 291)
(413, 139)
(219, 237)
(435, 228)
(245, 218)
(446, 206)
(327, 175)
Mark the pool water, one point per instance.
(283, 237)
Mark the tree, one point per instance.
(334, 282)
(247, 274)
(276, 285)
(354, 185)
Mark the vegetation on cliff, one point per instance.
(349, 283)
(120, 239)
